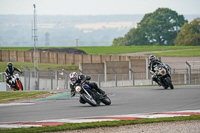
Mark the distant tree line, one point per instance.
(163, 27)
(16, 30)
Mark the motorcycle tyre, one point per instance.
(169, 82)
(165, 87)
(106, 100)
(18, 87)
(87, 100)
(81, 100)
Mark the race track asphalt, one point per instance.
(125, 100)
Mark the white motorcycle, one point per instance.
(16, 84)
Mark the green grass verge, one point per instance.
(131, 49)
(115, 49)
(16, 48)
(6, 97)
(75, 126)
(40, 66)
(181, 53)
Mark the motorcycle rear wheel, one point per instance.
(106, 101)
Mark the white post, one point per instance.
(185, 78)
(80, 68)
(189, 71)
(130, 73)
(105, 71)
(147, 71)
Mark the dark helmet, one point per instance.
(152, 57)
(10, 66)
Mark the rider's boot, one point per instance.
(103, 94)
(158, 83)
(10, 86)
(156, 80)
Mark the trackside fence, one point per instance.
(36, 79)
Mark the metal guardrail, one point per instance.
(133, 77)
(115, 73)
(59, 79)
(2, 77)
(45, 79)
(189, 71)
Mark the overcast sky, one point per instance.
(96, 7)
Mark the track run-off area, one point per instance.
(127, 103)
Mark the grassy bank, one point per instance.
(76, 126)
(40, 66)
(116, 49)
(132, 49)
(7, 97)
(181, 53)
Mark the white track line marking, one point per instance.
(15, 104)
(18, 126)
(100, 118)
(76, 120)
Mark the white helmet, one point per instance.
(73, 77)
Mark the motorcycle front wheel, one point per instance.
(89, 100)
(19, 85)
(169, 82)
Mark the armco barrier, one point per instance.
(59, 79)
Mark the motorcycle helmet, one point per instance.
(152, 57)
(10, 66)
(73, 77)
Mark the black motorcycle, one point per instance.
(90, 95)
(162, 73)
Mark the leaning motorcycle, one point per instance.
(163, 72)
(90, 95)
(16, 84)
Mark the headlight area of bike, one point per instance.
(16, 75)
(161, 71)
(78, 89)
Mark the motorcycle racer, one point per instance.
(152, 64)
(9, 72)
(75, 78)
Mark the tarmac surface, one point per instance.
(125, 100)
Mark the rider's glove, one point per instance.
(87, 82)
(72, 93)
(152, 72)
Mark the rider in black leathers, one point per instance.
(75, 78)
(10, 71)
(152, 65)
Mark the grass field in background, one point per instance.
(132, 49)
(40, 66)
(181, 53)
(182, 50)
(16, 48)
